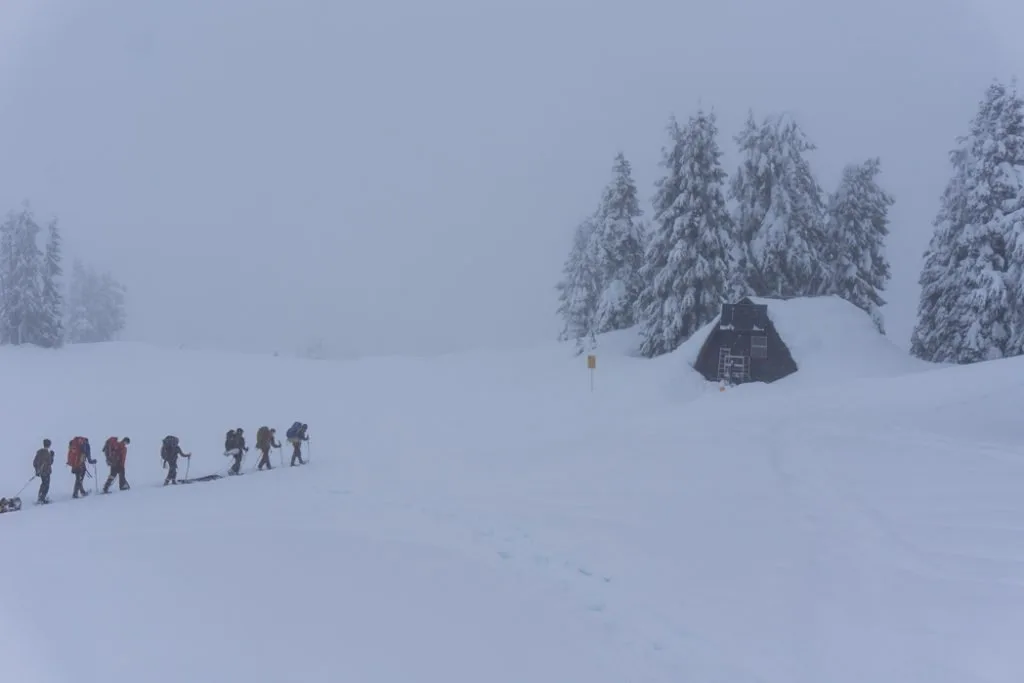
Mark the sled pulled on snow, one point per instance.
(10, 504)
(208, 477)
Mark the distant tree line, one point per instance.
(768, 231)
(35, 305)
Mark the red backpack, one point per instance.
(111, 449)
(77, 448)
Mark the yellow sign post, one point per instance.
(592, 365)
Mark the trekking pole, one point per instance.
(280, 455)
(188, 464)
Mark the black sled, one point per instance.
(209, 477)
(10, 504)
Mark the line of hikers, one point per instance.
(116, 452)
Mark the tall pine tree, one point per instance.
(579, 290)
(688, 261)
(856, 228)
(79, 323)
(53, 300)
(617, 243)
(96, 306)
(780, 211)
(111, 307)
(22, 312)
(971, 306)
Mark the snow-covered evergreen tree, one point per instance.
(22, 312)
(111, 307)
(856, 228)
(971, 307)
(931, 339)
(688, 263)
(780, 210)
(579, 290)
(53, 299)
(617, 244)
(96, 306)
(79, 326)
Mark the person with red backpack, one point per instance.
(117, 454)
(79, 453)
(264, 442)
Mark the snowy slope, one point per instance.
(485, 517)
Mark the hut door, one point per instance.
(733, 367)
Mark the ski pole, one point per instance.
(188, 464)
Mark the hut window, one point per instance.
(759, 347)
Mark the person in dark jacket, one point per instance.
(79, 454)
(170, 452)
(296, 442)
(43, 464)
(265, 440)
(235, 447)
(117, 456)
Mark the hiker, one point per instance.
(170, 452)
(117, 455)
(265, 440)
(79, 453)
(43, 463)
(296, 434)
(234, 446)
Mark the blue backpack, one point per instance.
(293, 431)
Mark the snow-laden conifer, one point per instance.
(687, 265)
(856, 229)
(779, 210)
(971, 306)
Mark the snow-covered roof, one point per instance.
(829, 338)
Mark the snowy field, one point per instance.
(485, 517)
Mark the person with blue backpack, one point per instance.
(296, 434)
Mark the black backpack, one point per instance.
(230, 440)
(170, 446)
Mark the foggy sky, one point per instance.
(405, 176)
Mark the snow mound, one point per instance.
(830, 339)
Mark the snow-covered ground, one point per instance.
(486, 517)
